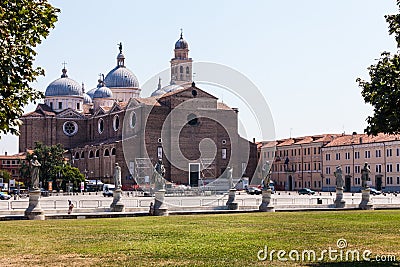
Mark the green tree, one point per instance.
(69, 174)
(383, 89)
(23, 25)
(6, 175)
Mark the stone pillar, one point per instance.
(117, 204)
(266, 201)
(160, 208)
(34, 211)
(232, 205)
(366, 202)
(339, 201)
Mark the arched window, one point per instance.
(83, 155)
(106, 153)
(116, 123)
(133, 119)
(113, 151)
(91, 154)
(77, 155)
(97, 153)
(181, 69)
(187, 70)
(100, 125)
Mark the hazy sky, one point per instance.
(304, 56)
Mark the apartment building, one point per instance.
(297, 162)
(381, 152)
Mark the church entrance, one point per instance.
(194, 174)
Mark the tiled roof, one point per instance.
(285, 142)
(150, 101)
(40, 111)
(16, 156)
(269, 144)
(321, 138)
(357, 139)
(172, 93)
(223, 106)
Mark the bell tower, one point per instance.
(181, 64)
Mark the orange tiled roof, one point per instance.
(151, 101)
(357, 139)
(223, 106)
(304, 140)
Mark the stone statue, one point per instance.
(229, 174)
(365, 175)
(265, 175)
(35, 167)
(120, 47)
(158, 175)
(117, 176)
(338, 175)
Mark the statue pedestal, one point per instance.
(339, 201)
(34, 211)
(232, 205)
(266, 201)
(117, 204)
(366, 202)
(160, 208)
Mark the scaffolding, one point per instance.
(143, 171)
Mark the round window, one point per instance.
(192, 120)
(116, 123)
(100, 125)
(133, 119)
(70, 128)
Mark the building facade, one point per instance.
(351, 152)
(12, 164)
(112, 124)
(297, 162)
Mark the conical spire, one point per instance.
(159, 83)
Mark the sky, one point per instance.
(304, 56)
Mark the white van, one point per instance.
(108, 190)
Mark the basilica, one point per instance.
(194, 134)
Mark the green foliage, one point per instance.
(69, 174)
(23, 25)
(199, 240)
(53, 165)
(6, 175)
(383, 93)
(383, 89)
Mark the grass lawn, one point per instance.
(198, 240)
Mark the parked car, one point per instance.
(306, 191)
(253, 191)
(44, 192)
(374, 192)
(4, 196)
(108, 190)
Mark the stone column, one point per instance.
(366, 202)
(266, 201)
(117, 204)
(34, 210)
(231, 203)
(339, 201)
(160, 208)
